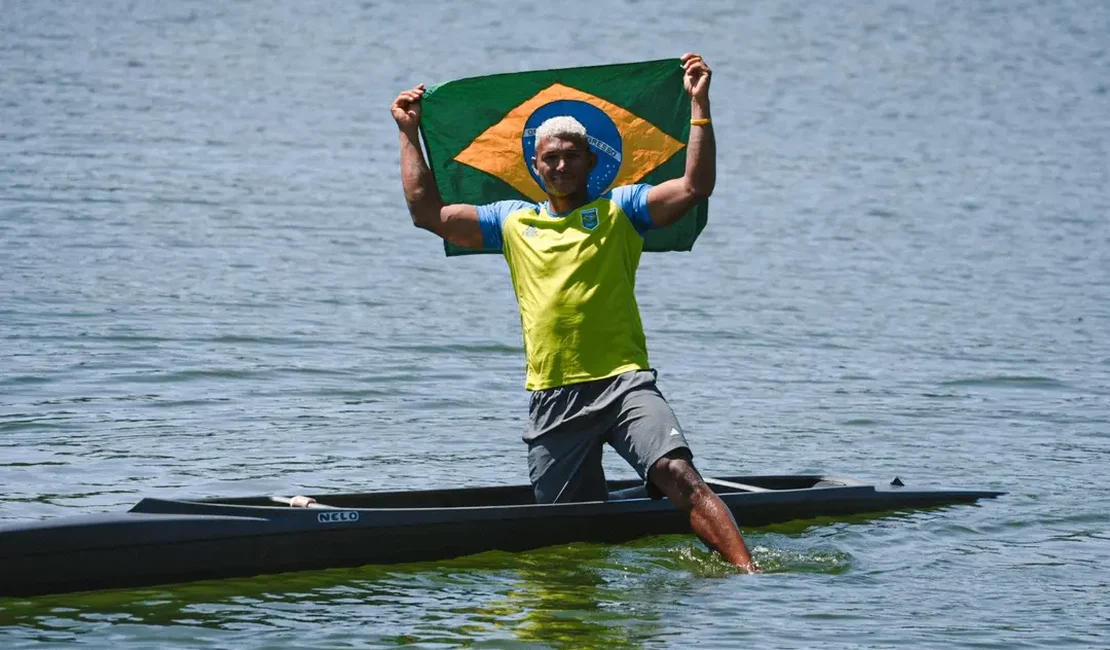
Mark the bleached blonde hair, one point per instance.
(561, 126)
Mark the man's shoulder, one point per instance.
(515, 205)
(633, 202)
(502, 210)
(629, 192)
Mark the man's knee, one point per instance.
(675, 472)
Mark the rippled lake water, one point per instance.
(209, 286)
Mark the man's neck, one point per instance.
(568, 203)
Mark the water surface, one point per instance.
(209, 286)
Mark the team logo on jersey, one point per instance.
(531, 231)
(589, 219)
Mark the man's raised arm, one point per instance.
(670, 200)
(457, 223)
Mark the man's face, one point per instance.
(564, 165)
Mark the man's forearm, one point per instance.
(701, 151)
(421, 192)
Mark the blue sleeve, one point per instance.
(633, 199)
(490, 217)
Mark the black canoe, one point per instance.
(163, 541)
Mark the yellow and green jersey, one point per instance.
(574, 276)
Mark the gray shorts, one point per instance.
(569, 425)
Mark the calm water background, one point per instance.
(209, 286)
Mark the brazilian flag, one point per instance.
(479, 134)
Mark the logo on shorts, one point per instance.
(674, 432)
(589, 219)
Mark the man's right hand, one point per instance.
(406, 108)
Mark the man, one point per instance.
(573, 263)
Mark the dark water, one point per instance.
(209, 285)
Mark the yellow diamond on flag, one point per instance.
(498, 151)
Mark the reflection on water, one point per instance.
(574, 596)
(577, 596)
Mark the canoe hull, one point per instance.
(165, 541)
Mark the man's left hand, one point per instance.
(697, 76)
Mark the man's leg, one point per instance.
(565, 437)
(565, 467)
(710, 518)
(647, 434)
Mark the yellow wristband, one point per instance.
(701, 121)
